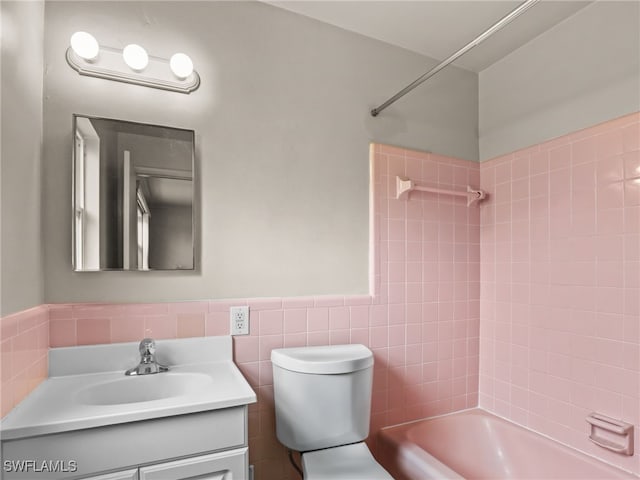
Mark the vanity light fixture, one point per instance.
(85, 45)
(136, 57)
(181, 65)
(131, 65)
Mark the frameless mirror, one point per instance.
(132, 196)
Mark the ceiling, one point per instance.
(439, 28)
(169, 192)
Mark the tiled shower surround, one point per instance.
(560, 276)
(540, 285)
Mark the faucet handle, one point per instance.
(147, 347)
(148, 362)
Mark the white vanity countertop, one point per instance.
(82, 379)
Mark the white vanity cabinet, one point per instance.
(218, 466)
(204, 445)
(102, 425)
(131, 474)
(230, 465)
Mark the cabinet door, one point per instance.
(229, 465)
(123, 475)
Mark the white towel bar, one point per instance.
(405, 185)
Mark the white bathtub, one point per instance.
(474, 444)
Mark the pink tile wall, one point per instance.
(24, 343)
(424, 330)
(560, 275)
(90, 324)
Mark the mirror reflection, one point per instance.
(132, 196)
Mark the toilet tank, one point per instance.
(322, 395)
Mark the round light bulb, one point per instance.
(181, 65)
(85, 45)
(135, 56)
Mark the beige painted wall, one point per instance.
(21, 273)
(584, 71)
(282, 134)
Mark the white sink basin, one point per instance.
(144, 388)
(87, 387)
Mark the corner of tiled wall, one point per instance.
(23, 355)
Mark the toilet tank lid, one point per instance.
(329, 359)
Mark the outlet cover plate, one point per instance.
(239, 320)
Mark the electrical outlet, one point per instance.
(239, 317)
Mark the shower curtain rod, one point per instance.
(483, 36)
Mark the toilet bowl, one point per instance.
(323, 403)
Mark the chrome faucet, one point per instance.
(148, 364)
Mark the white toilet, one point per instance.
(323, 401)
